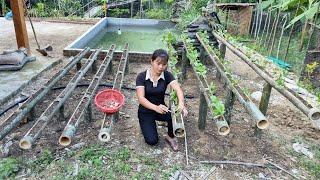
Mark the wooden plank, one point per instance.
(19, 24)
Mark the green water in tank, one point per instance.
(140, 38)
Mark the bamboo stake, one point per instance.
(274, 32)
(279, 44)
(313, 27)
(234, 163)
(264, 28)
(268, 27)
(290, 34)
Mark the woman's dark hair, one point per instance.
(160, 53)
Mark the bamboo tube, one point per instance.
(178, 127)
(105, 132)
(80, 111)
(32, 101)
(294, 100)
(223, 127)
(260, 119)
(34, 132)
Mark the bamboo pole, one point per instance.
(264, 28)
(282, 30)
(312, 114)
(38, 96)
(221, 123)
(268, 27)
(260, 119)
(178, 127)
(290, 34)
(34, 132)
(105, 132)
(81, 109)
(274, 32)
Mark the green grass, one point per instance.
(92, 162)
(8, 167)
(310, 165)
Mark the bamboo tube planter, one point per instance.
(178, 127)
(255, 113)
(312, 112)
(106, 128)
(83, 106)
(27, 141)
(37, 97)
(221, 123)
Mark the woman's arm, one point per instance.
(162, 109)
(175, 86)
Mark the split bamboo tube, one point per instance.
(178, 127)
(312, 113)
(221, 123)
(255, 113)
(34, 132)
(105, 132)
(32, 101)
(81, 109)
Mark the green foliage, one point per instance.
(8, 167)
(311, 67)
(70, 6)
(186, 17)
(117, 12)
(217, 106)
(93, 155)
(43, 161)
(197, 4)
(157, 13)
(281, 79)
(212, 88)
(169, 38)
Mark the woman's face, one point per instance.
(158, 65)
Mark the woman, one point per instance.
(151, 86)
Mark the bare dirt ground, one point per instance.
(287, 125)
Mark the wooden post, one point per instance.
(61, 113)
(126, 70)
(226, 25)
(223, 49)
(203, 107)
(109, 70)
(2, 7)
(229, 105)
(183, 65)
(263, 106)
(19, 24)
(78, 65)
(88, 113)
(32, 115)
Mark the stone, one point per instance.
(256, 95)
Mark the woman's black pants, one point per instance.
(148, 125)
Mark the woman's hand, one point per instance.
(161, 109)
(183, 109)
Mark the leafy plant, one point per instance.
(217, 106)
(8, 167)
(157, 13)
(281, 79)
(311, 67)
